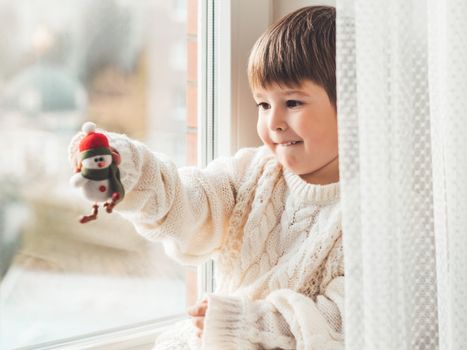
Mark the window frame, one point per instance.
(226, 109)
(139, 336)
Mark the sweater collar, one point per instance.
(318, 194)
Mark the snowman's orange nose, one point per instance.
(100, 164)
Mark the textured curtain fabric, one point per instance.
(402, 106)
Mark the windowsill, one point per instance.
(138, 337)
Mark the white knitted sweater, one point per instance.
(276, 240)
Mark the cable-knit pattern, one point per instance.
(260, 168)
(276, 240)
(258, 227)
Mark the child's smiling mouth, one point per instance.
(288, 144)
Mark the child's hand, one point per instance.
(198, 312)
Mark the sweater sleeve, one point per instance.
(285, 319)
(187, 208)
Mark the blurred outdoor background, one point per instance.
(130, 67)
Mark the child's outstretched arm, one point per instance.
(187, 208)
(284, 319)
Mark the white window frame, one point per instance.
(227, 110)
(231, 125)
(135, 337)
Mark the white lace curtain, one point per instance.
(402, 106)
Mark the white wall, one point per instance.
(241, 22)
(283, 7)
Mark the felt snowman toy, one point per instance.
(98, 174)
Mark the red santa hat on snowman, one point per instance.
(94, 143)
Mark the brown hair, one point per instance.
(302, 45)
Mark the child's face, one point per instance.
(299, 125)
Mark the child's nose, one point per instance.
(277, 121)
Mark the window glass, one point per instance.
(128, 66)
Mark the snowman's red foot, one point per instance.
(110, 205)
(86, 218)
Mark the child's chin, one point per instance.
(292, 169)
(291, 166)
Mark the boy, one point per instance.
(269, 216)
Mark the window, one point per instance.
(61, 279)
(129, 66)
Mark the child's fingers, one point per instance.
(198, 322)
(198, 312)
(198, 309)
(115, 156)
(76, 163)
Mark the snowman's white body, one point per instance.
(94, 190)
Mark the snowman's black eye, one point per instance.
(101, 159)
(96, 160)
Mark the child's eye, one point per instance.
(293, 103)
(263, 105)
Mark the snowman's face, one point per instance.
(97, 162)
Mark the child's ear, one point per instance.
(115, 156)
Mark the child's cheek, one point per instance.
(267, 141)
(262, 132)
